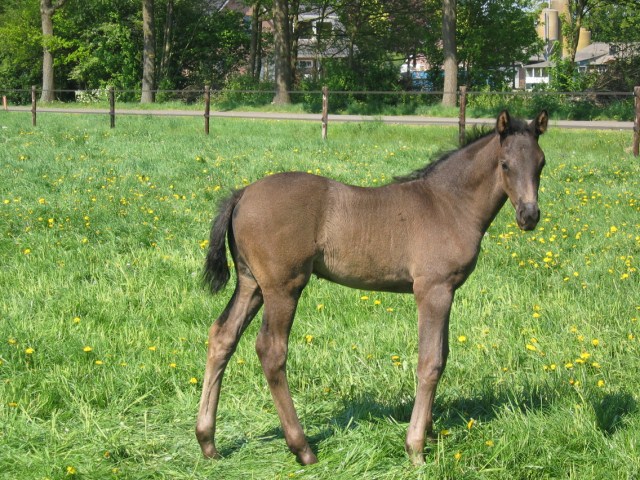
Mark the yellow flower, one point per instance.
(457, 456)
(29, 351)
(531, 348)
(595, 342)
(364, 297)
(377, 302)
(320, 306)
(568, 365)
(444, 432)
(172, 365)
(462, 338)
(153, 348)
(87, 349)
(193, 381)
(489, 443)
(71, 470)
(470, 423)
(99, 362)
(26, 251)
(76, 320)
(600, 383)
(308, 338)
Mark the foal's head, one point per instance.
(520, 162)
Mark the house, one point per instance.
(320, 35)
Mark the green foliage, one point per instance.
(96, 44)
(560, 106)
(244, 90)
(21, 52)
(102, 238)
(492, 37)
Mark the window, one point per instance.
(323, 29)
(305, 30)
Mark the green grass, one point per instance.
(102, 236)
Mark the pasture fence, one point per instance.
(410, 107)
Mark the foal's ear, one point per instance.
(503, 124)
(541, 123)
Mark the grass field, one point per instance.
(103, 321)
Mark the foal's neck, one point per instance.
(470, 179)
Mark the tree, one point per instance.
(148, 53)
(47, 9)
(493, 35)
(282, 48)
(450, 67)
(619, 24)
(255, 46)
(21, 33)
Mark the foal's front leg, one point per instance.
(434, 306)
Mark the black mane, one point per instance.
(477, 133)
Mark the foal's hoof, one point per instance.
(417, 459)
(307, 457)
(209, 450)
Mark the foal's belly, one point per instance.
(365, 275)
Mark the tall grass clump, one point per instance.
(103, 320)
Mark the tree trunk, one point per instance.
(166, 40)
(577, 11)
(282, 52)
(449, 96)
(47, 9)
(292, 25)
(148, 53)
(254, 46)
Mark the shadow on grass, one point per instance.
(454, 412)
(611, 410)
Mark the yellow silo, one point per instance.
(584, 40)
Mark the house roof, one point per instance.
(544, 64)
(595, 53)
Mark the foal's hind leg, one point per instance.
(223, 339)
(271, 345)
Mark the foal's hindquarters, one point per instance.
(273, 249)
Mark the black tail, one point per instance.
(216, 269)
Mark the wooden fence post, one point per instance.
(636, 123)
(325, 111)
(462, 119)
(207, 108)
(4, 102)
(33, 105)
(112, 106)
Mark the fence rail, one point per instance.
(206, 95)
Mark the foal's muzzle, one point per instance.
(527, 215)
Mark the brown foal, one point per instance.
(420, 235)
